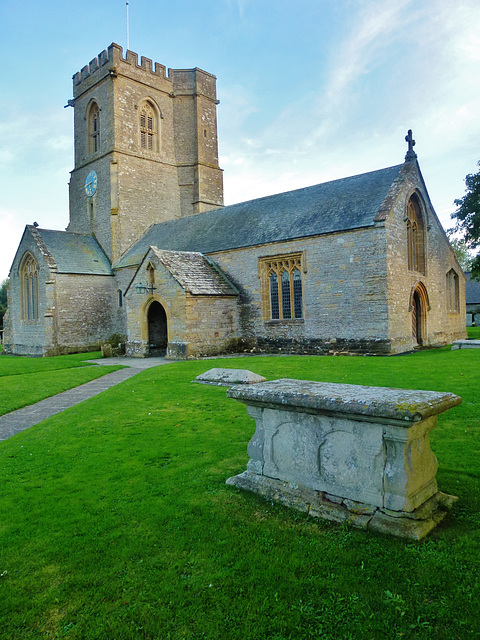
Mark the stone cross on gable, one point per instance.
(411, 155)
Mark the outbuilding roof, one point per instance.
(195, 273)
(340, 205)
(73, 252)
(472, 289)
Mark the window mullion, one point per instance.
(280, 301)
(292, 296)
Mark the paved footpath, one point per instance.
(17, 421)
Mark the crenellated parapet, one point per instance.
(112, 58)
(111, 62)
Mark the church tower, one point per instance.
(146, 148)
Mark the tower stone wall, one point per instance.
(142, 181)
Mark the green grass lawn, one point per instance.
(116, 523)
(473, 333)
(24, 381)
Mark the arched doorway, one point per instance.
(417, 319)
(157, 329)
(419, 305)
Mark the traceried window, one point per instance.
(93, 128)
(148, 127)
(284, 299)
(29, 288)
(415, 236)
(453, 292)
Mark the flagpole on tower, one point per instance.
(127, 27)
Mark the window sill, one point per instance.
(285, 321)
(416, 272)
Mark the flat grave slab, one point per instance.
(228, 377)
(466, 344)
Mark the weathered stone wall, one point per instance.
(442, 326)
(212, 325)
(196, 142)
(76, 312)
(92, 215)
(83, 313)
(29, 337)
(344, 294)
(123, 278)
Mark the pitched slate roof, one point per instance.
(472, 289)
(73, 252)
(195, 273)
(340, 205)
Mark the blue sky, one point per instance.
(309, 91)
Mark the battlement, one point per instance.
(113, 56)
(110, 62)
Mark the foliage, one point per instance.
(467, 217)
(116, 339)
(465, 257)
(115, 520)
(3, 300)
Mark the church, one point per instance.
(359, 265)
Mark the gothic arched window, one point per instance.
(415, 236)
(29, 287)
(93, 120)
(148, 127)
(285, 296)
(453, 291)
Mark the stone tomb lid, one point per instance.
(466, 344)
(400, 405)
(227, 377)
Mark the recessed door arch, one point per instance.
(419, 305)
(157, 329)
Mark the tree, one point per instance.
(3, 300)
(467, 217)
(464, 256)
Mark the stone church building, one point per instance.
(359, 265)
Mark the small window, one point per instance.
(93, 128)
(120, 298)
(29, 288)
(284, 300)
(151, 273)
(453, 292)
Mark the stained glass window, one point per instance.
(29, 276)
(415, 236)
(274, 303)
(285, 287)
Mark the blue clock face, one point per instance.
(91, 183)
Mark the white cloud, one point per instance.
(398, 65)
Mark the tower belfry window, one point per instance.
(147, 127)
